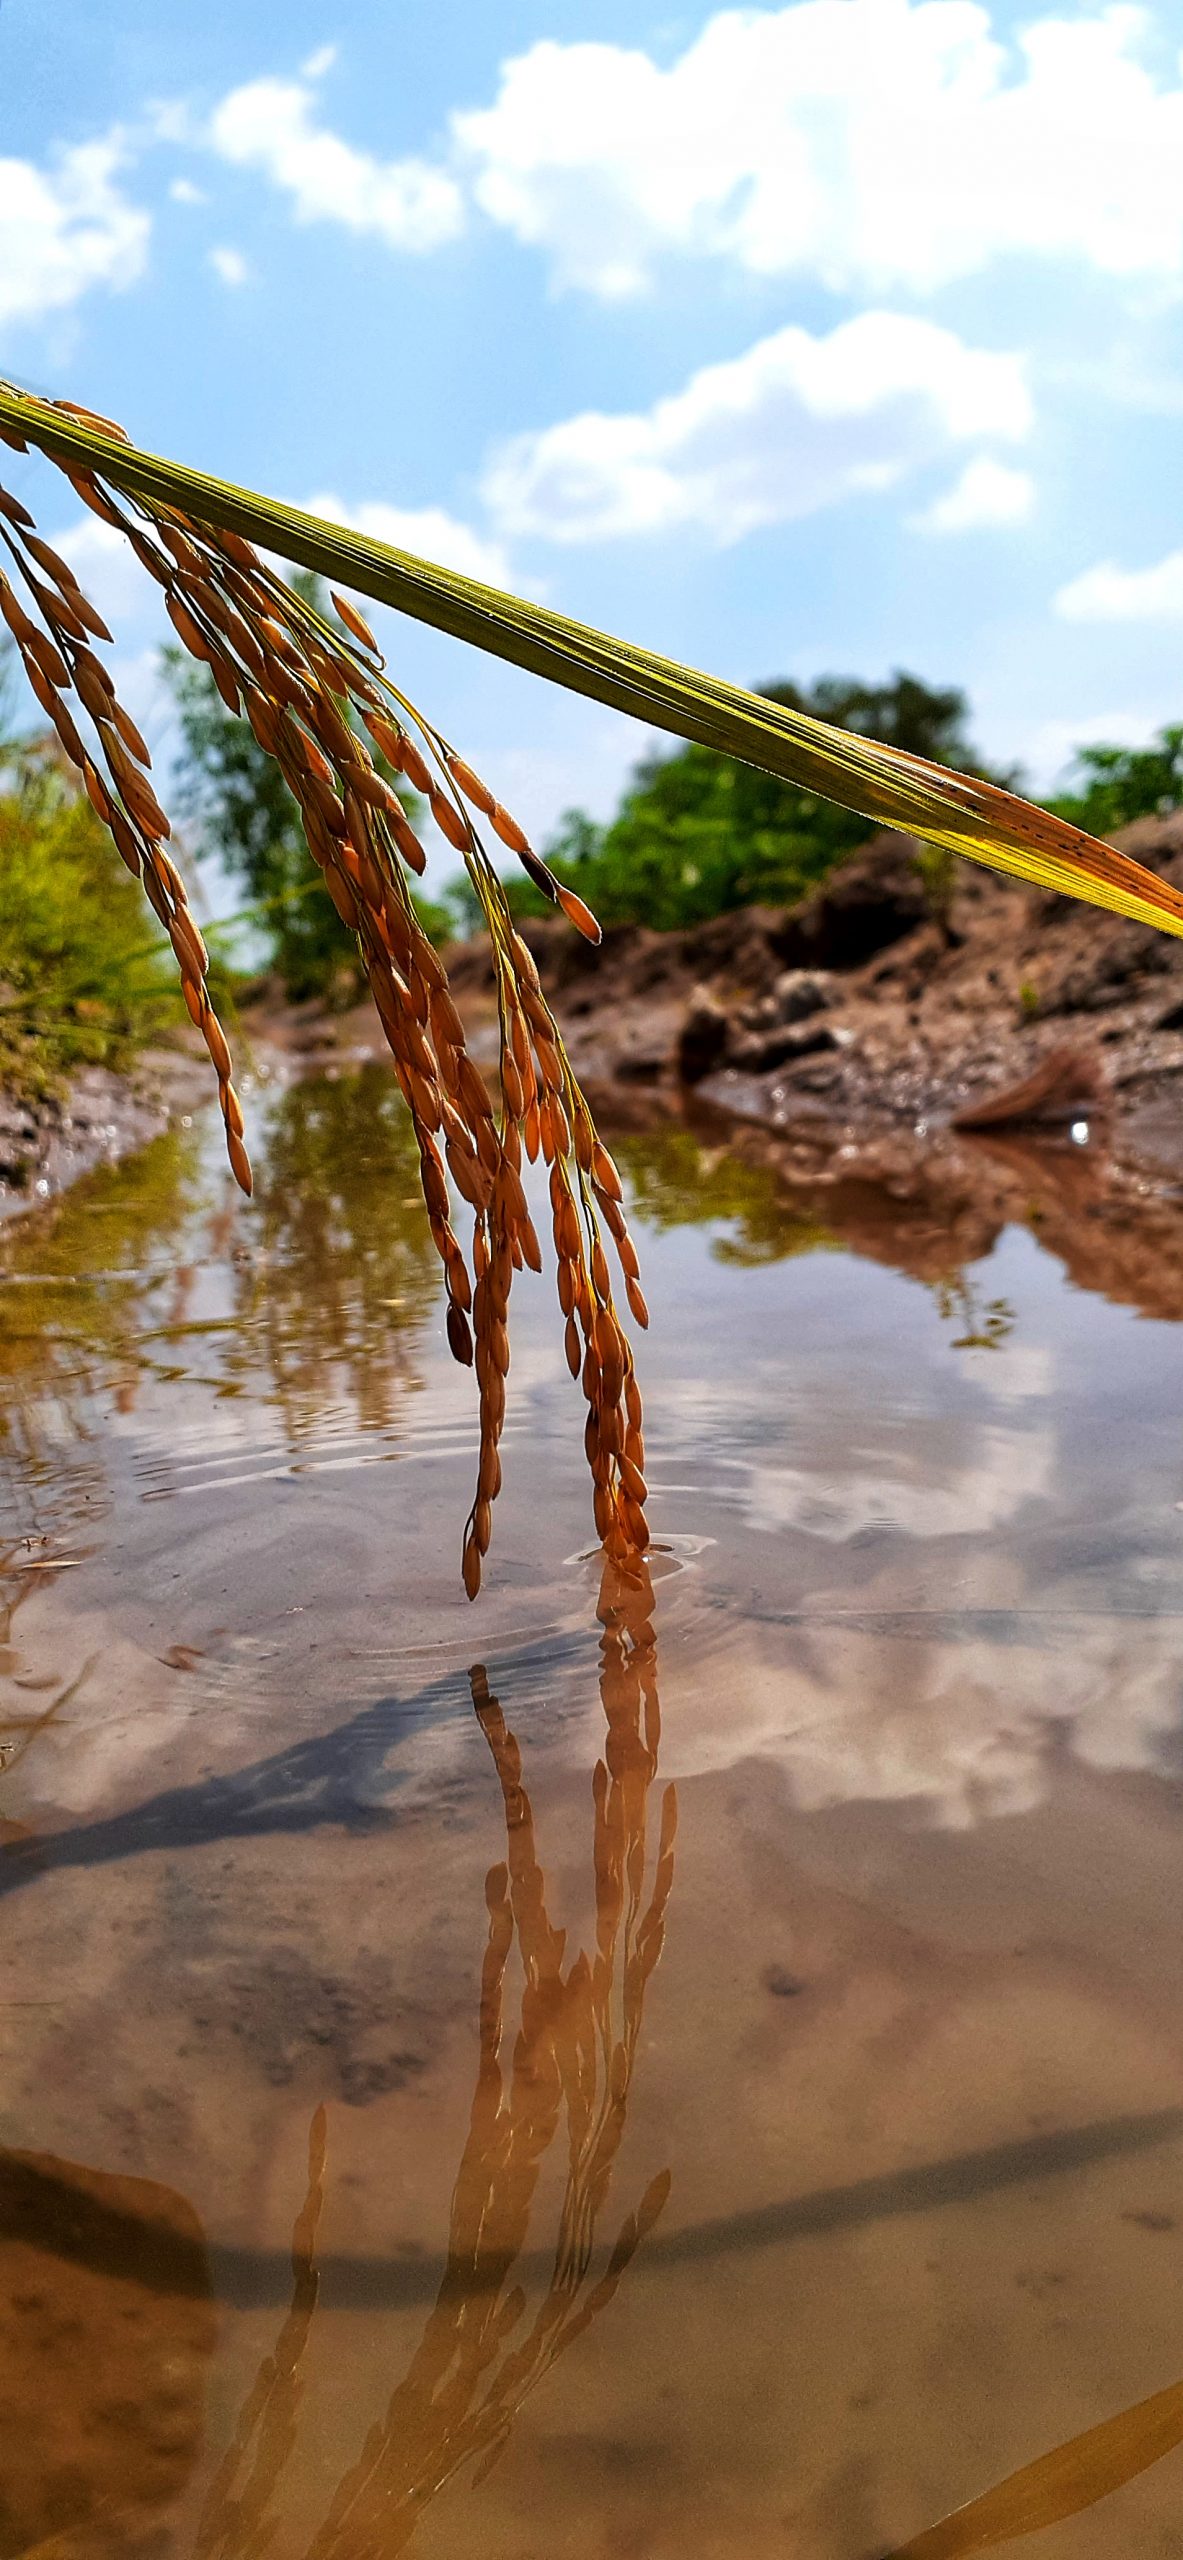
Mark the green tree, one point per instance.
(699, 833)
(242, 809)
(1117, 784)
(85, 973)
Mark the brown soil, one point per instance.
(44, 1145)
(855, 1026)
(858, 1014)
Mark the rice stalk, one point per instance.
(880, 783)
(294, 675)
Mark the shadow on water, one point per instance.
(109, 2277)
(339, 1778)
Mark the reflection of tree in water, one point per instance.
(343, 1270)
(76, 1284)
(986, 1323)
(675, 1181)
(570, 2068)
(328, 1275)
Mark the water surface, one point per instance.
(603, 2071)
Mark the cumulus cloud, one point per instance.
(230, 266)
(987, 493)
(1109, 594)
(795, 424)
(66, 228)
(319, 62)
(271, 125)
(874, 143)
(429, 531)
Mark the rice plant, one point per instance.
(280, 664)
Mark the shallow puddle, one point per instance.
(593, 2073)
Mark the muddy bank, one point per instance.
(858, 1028)
(47, 1144)
(863, 1008)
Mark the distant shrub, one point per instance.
(1115, 785)
(697, 834)
(85, 973)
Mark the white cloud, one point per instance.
(1051, 744)
(270, 125)
(319, 62)
(874, 143)
(67, 228)
(1109, 594)
(430, 532)
(230, 265)
(795, 424)
(183, 191)
(986, 493)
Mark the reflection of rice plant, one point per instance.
(985, 1323)
(567, 2070)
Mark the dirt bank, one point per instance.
(856, 1028)
(860, 1009)
(46, 1144)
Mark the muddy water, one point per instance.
(571, 2076)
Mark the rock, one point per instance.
(704, 1036)
(871, 902)
(640, 1065)
(794, 996)
(764, 1050)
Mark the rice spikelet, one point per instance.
(315, 692)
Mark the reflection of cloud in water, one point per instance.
(961, 1726)
(1003, 1469)
(1014, 1372)
(833, 1473)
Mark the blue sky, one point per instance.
(836, 336)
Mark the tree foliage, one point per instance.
(236, 798)
(85, 973)
(235, 795)
(698, 833)
(1114, 785)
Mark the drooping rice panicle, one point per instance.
(319, 700)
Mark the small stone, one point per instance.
(703, 1038)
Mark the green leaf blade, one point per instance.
(889, 789)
